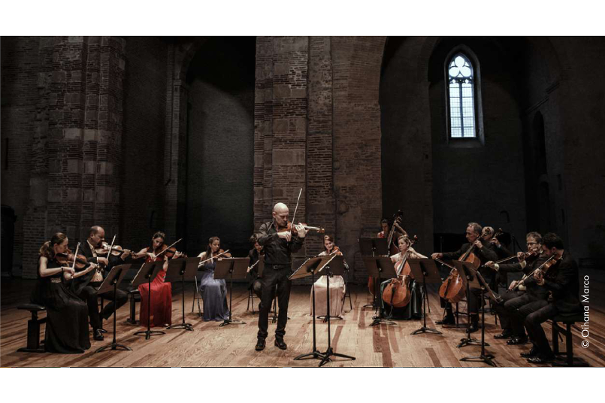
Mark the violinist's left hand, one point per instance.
(302, 232)
(478, 244)
(125, 255)
(495, 241)
(178, 254)
(539, 277)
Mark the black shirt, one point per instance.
(277, 250)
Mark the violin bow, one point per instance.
(73, 266)
(111, 246)
(295, 209)
(158, 255)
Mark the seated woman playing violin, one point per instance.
(87, 285)
(160, 311)
(214, 292)
(337, 286)
(411, 306)
(67, 318)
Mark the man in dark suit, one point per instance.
(561, 280)
(484, 252)
(86, 286)
(278, 244)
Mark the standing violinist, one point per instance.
(337, 286)
(527, 261)
(561, 279)
(413, 310)
(87, 285)
(159, 313)
(279, 240)
(485, 254)
(214, 291)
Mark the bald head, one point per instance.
(280, 214)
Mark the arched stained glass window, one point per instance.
(461, 90)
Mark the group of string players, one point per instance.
(549, 286)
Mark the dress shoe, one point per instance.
(517, 340)
(448, 320)
(541, 359)
(532, 353)
(503, 335)
(260, 345)
(279, 343)
(97, 335)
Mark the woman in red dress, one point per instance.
(161, 292)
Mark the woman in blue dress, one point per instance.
(214, 292)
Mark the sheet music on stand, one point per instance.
(148, 269)
(310, 266)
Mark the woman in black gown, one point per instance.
(67, 315)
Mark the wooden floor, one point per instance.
(233, 346)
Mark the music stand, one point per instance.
(331, 265)
(183, 269)
(467, 274)
(427, 270)
(112, 280)
(146, 273)
(233, 267)
(380, 267)
(309, 267)
(373, 247)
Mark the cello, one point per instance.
(397, 293)
(453, 288)
(397, 219)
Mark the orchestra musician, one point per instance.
(214, 291)
(254, 282)
(501, 251)
(280, 239)
(527, 261)
(87, 285)
(337, 286)
(485, 254)
(67, 316)
(413, 310)
(561, 279)
(159, 313)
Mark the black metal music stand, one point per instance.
(234, 268)
(467, 274)
(310, 267)
(330, 266)
(427, 270)
(147, 273)
(380, 267)
(184, 270)
(112, 280)
(486, 358)
(373, 247)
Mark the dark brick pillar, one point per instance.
(76, 148)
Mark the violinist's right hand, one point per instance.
(285, 235)
(521, 256)
(512, 285)
(70, 270)
(436, 255)
(492, 265)
(102, 261)
(249, 268)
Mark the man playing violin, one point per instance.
(512, 326)
(87, 285)
(561, 279)
(484, 253)
(279, 239)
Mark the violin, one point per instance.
(215, 255)
(115, 250)
(543, 268)
(67, 258)
(291, 228)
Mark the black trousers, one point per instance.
(519, 309)
(272, 276)
(257, 287)
(504, 314)
(533, 324)
(89, 294)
